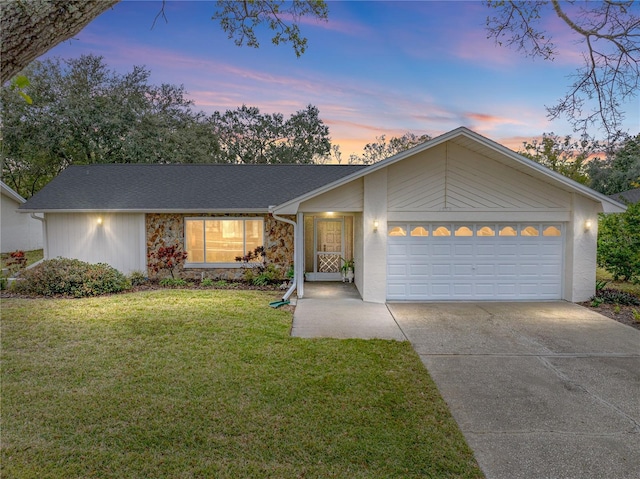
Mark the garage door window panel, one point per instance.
(552, 230)
(398, 231)
(509, 231)
(529, 231)
(441, 231)
(419, 231)
(464, 231)
(486, 231)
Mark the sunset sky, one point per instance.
(374, 68)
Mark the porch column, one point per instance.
(375, 242)
(298, 254)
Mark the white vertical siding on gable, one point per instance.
(347, 197)
(119, 241)
(19, 230)
(418, 183)
(453, 178)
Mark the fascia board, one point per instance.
(11, 193)
(173, 210)
(608, 205)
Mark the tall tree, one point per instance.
(608, 33)
(29, 28)
(381, 149)
(248, 136)
(563, 155)
(83, 113)
(619, 171)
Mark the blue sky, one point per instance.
(374, 68)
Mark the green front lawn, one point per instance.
(182, 384)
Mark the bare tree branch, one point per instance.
(609, 32)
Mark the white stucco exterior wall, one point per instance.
(581, 250)
(119, 241)
(375, 242)
(358, 252)
(19, 230)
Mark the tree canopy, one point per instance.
(609, 170)
(619, 171)
(82, 113)
(381, 148)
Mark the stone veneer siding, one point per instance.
(168, 229)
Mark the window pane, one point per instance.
(486, 231)
(464, 231)
(254, 232)
(224, 240)
(508, 231)
(397, 231)
(419, 231)
(442, 231)
(195, 241)
(529, 231)
(551, 231)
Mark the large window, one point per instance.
(221, 240)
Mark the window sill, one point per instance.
(222, 265)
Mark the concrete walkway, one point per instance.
(335, 310)
(539, 390)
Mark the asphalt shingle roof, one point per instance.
(629, 196)
(182, 187)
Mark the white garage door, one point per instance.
(484, 261)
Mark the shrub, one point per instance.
(16, 262)
(138, 278)
(619, 243)
(71, 277)
(206, 282)
(268, 275)
(173, 282)
(615, 296)
(166, 257)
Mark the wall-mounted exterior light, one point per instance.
(587, 225)
(99, 221)
(375, 225)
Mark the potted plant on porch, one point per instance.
(347, 270)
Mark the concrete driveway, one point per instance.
(540, 390)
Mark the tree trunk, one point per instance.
(29, 28)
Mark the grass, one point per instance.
(603, 275)
(185, 383)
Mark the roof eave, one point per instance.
(608, 205)
(11, 193)
(148, 211)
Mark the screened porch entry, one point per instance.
(328, 239)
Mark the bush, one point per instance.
(173, 282)
(619, 243)
(138, 278)
(206, 282)
(71, 277)
(268, 275)
(166, 257)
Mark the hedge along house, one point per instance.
(459, 217)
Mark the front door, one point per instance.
(329, 249)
